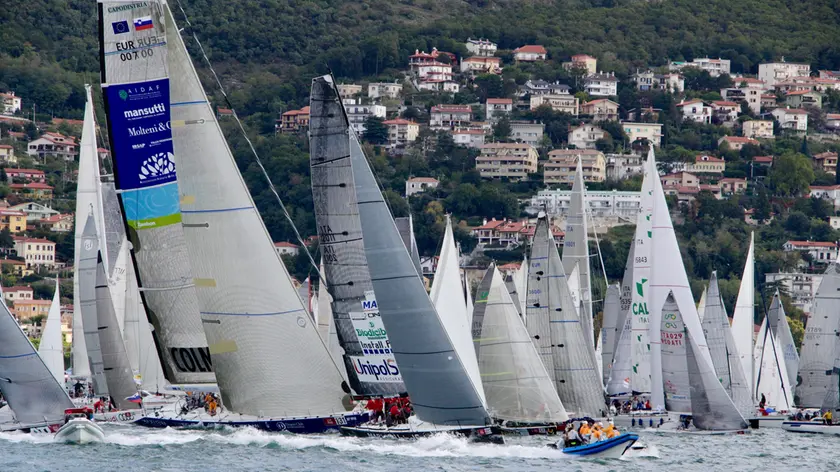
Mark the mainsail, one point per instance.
(115, 363)
(25, 382)
(612, 305)
(517, 286)
(268, 357)
(640, 289)
(515, 381)
(711, 407)
(369, 357)
(618, 376)
(576, 248)
(51, 348)
(674, 367)
(87, 258)
(88, 200)
(434, 374)
(448, 296)
(556, 329)
(778, 323)
(771, 377)
(743, 317)
(701, 307)
(821, 335)
(135, 76)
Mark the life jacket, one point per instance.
(585, 430)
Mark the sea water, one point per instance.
(130, 448)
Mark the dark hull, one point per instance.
(308, 425)
(532, 430)
(485, 434)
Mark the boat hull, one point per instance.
(122, 416)
(484, 434)
(533, 430)
(298, 425)
(80, 431)
(770, 421)
(644, 420)
(612, 448)
(811, 427)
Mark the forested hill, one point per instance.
(269, 49)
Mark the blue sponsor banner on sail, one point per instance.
(140, 124)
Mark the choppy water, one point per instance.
(131, 448)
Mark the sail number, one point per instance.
(132, 55)
(641, 260)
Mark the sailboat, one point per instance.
(51, 348)
(273, 370)
(557, 331)
(743, 317)
(442, 393)
(35, 397)
(771, 372)
(519, 391)
(576, 250)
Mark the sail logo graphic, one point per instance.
(369, 305)
(120, 27)
(154, 110)
(130, 6)
(157, 167)
(376, 369)
(640, 308)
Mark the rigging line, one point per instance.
(271, 186)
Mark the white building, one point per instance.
(802, 288)
(563, 103)
(758, 129)
(439, 85)
(530, 53)
(638, 131)
(35, 251)
(10, 103)
(53, 145)
(610, 203)
(469, 137)
(449, 116)
(715, 67)
(482, 65)
(828, 192)
(541, 87)
(497, 108)
(818, 250)
(527, 132)
(385, 90)
(585, 136)
(286, 248)
(696, 111)
(776, 72)
(746, 89)
(419, 184)
(791, 118)
(34, 211)
(357, 113)
(481, 47)
(622, 166)
(601, 85)
(349, 90)
(401, 132)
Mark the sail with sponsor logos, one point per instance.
(87, 257)
(771, 374)
(515, 381)
(818, 344)
(743, 317)
(675, 380)
(368, 353)
(117, 369)
(32, 391)
(51, 347)
(135, 78)
(556, 329)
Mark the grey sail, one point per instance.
(612, 306)
(118, 372)
(435, 377)
(405, 226)
(674, 367)
(137, 102)
(777, 321)
(114, 227)
(358, 323)
(711, 407)
(87, 304)
(576, 246)
(619, 362)
(821, 333)
(25, 381)
(625, 296)
(515, 382)
(558, 329)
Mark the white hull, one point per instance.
(643, 420)
(812, 427)
(771, 421)
(121, 416)
(80, 431)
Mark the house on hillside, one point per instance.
(774, 72)
(529, 132)
(803, 98)
(401, 132)
(586, 136)
(53, 145)
(637, 132)
(286, 248)
(293, 121)
(696, 110)
(379, 90)
(508, 160)
(791, 118)
(10, 103)
(562, 165)
(715, 67)
(36, 252)
(601, 85)
(827, 161)
(736, 142)
(420, 184)
(469, 137)
(730, 186)
(7, 154)
(746, 89)
(13, 220)
(704, 164)
(34, 211)
(724, 111)
(602, 109)
(818, 250)
(757, 129)
(541, 87)
(481, 65)
(349, 90)
(357, 113)
(481, 47)
(25, 175)
(530, 53)
(36, 190)
(497, 108)
(449, 116)
(584, 62)
(57, 223)
(564, 103)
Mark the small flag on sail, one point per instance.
(120, 27)
(143, 23)
(136, 398)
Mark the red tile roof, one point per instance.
(492, 224)
(31, 185)
(500, 101)
(763, 159)
(689, 102)
(531, 48)
(706, 158)
(31, 240)
(18, 288)
(811, 244)
(798, 92)
(795, 111)
(510, 266)
(428, 180)
(451, 109)
(9, 170)
(825, 155)
(285, 244)
(737, 140)
(724, 103)
(399, 121)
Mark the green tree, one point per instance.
(6, 240)
(375, 130)
(502, 130)
(791, 174)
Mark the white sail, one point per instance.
(268, 357)
(821, 335)
(640, 288)
(521, 281)
(576, 247)
(117, 281)
(324, 313)
(786, 346)
(87, 258)
(87, 199)
(742, 318)
(448, 297)
(516, 383)
(468, 294)
(667, 274)
(617, 376)
(770, 371)
(51, 348)
(677, 388)
(701, 307)
(612, 305)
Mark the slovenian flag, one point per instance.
(136, 398)
(143, 23)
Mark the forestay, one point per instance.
(516, 383)
(266, 352)
(369, 357)
(25, 382)
(115, 363)
(434, 374)
(87, 304)
(674, 367)
(135, 77)
(818, 344)
(51, 347)
(711, 407)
